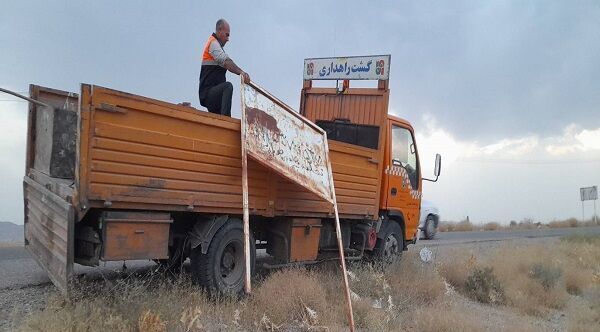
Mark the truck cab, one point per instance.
(359, 116)
(402, 183)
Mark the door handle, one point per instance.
(394, 191)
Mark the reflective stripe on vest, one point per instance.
(207, 58)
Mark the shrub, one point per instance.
(571, 222)
(285, 295)
(546, 275)
(446, 317)
(464, 226)
(491, 226)
(527, 223)
(483, 286)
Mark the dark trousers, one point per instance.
(218, 99)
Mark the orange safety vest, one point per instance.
(211, 73)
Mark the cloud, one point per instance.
(589, 139)
(574, 140)
(511, 147)
(531, 176)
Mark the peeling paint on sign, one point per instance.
(280, 138)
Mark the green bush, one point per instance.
(483, 286)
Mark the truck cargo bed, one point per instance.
(140, 153)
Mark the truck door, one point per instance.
(403, 177)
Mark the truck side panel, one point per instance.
(356, 181)
(49, 232)
(144, 153)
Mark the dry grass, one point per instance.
(571, 222)
(293, 299)
(510, 278)
(280, 303)
(491, 226)
(446, 317)
(461, 226)
(534, 278)
(584, 315)
(408, 295)
(468, 226)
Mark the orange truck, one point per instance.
(112, 176)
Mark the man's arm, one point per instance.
(232, 67)
(224, 61)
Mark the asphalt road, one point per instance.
(449, 238)
(19, 270)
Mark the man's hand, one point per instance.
(246, 77)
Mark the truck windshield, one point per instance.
(404, 153)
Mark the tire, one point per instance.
(222, 268)
(430, 227)
(389, 248)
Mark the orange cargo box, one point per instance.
(141, 153)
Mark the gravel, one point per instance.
(17, 304)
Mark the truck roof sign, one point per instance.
(374, 67)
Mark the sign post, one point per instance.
(246, 216)
(588, 194)
(281, 139)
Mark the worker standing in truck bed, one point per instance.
(214, 91)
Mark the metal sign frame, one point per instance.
(330, 196)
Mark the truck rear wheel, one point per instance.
(389, 248)
(222, 268)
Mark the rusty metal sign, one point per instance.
(282, 139)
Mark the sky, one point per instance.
(508, 92)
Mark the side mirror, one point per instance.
(438, 168)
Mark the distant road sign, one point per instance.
(589, 193)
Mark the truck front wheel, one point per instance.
(389, 247)
(222, 268)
